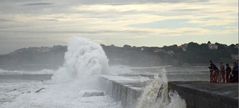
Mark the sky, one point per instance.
(31, 23)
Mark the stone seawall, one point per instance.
(196, 94)
(126, 93)
(207, 95)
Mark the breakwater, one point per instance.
(197, 94)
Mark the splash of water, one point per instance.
(84, 62)
(156, 95)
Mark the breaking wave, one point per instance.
(74, 85)
(84, 60)
(156, 95)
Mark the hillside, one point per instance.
(36, 58)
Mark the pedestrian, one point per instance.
(234, 77)
(213, 72)
(222, 73)
(228, 73)
(216, 74)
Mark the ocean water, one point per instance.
(76, 83)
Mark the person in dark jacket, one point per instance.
(213, 72)
(228, 73)
(234, 78)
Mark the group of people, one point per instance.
(225, 74)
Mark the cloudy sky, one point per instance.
(25, 23)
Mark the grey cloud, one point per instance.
(122, 2)
(49, 19)
(79, 31)
(187, 10)
(64, 6)
(5, 20)
(38, 4)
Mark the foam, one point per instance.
(156, 94)
(84, 62)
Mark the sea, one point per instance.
(76, 84)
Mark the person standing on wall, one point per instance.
(228, 73)
(222, 73)
(234, 78)
(213, 72)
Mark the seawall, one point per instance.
(125, 92)
(196, 94)
(207, 95)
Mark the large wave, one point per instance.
(84, 62)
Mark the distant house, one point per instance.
(235, 57)
(237, 46)
(171, 53)
(212, 46)
(142, 49)
(158, 50)
(184, 47)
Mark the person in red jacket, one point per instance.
(222, 73)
